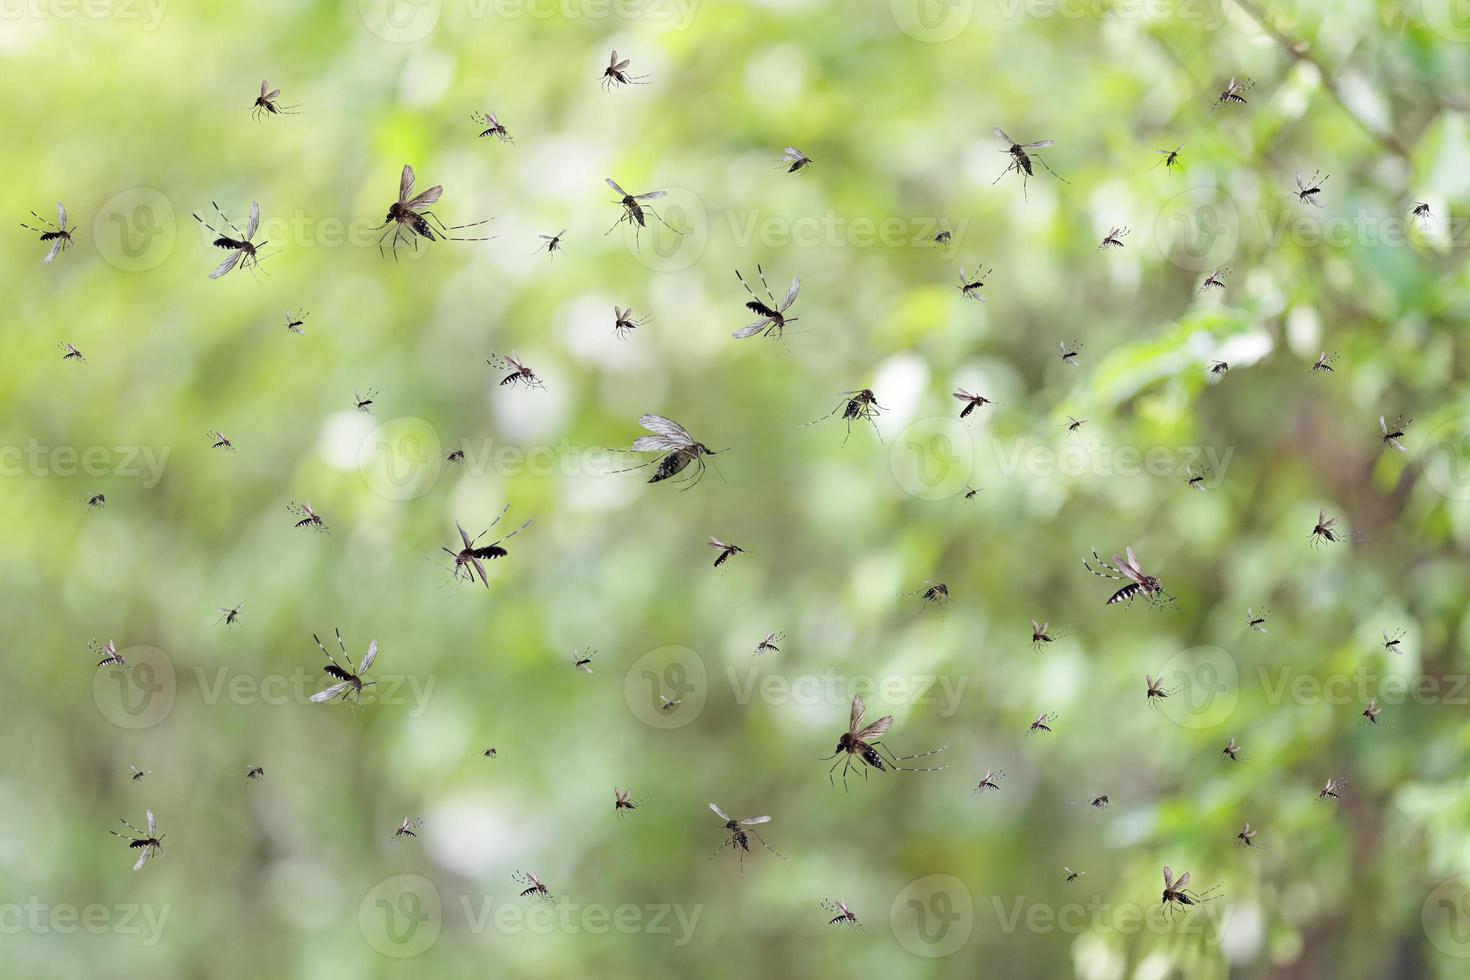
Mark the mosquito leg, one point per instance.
(769, 295)
(680, 233)
(228, 222)
(767, 846)
(874, 424)
(1051, 171)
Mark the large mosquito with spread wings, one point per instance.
(634, 211)
(1139, 583)
(150, 843)
(350, 683)
(242, 250)
(680, 449)
(740, 836)
(468, 560)
(773, 318)
(59, 235)
(1021, 160)
(860, 745)
(409, 216)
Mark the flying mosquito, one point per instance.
(242, 250)
(1171, 158)
(490, 753)
(861, 746)
(407, 828)
(70, 353)
(469, 560)
(1218, 369)
(1232, 92)
(633, 210)
(306, 516)
(727, 551)
(1326, 533)
(1196, 481)
(138, 774)
(1099, 802)
(1138, 583)
(1041, 634)
(1307, 191)
(255, 773)
(455, 456)
(625, 323)
(794, 160)
(1391, 641)
(1391, 434)
(108, 652)
(969, 286)
(295, 321)
(1421, 211)
(855, 405)
(740, 835)
(943, 236)
(773, 318)
(266, 104)
(349, 679)
(1114, 238)
(96, 501)
(668, 704)
(229, 616)
(493, 126)
(517, 373)
(1176, 894)
(768, 644)
(969, 492)
(150, 843)
(531, 886)
(841, 914)
(59, 235)
(972, 401)
(1370, 714)
(583, 661)
(1042, 723)
(1231, 750)
(1021, 160)
(218, 440)
(1246, 836)
(1071, 875)
(616, 73)
(1070, 355)
(1157, 692)
(409, 216)
(553, 244)
(991, 780)
(1256, 620)
(1216, 279)
(1324, 363)
(622, 805)
(680, 449)
(1333, 789)
(364, 400)
(933, 593)
(1075, 424)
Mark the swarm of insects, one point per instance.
(1256, 620)
(1391, 641)
(1325, 532)
(1232, 92)
(469, 559)
(108, 652)
(1310, 191)
(1216, 280)
(138, 774)
(933, 593)
(860, 746)
(625, 323)
(841, 914)
(1070, 354)
(407, 828)
(1156, 691)
(622, 803)
(726, 551)
(858, 405)
(680, 449)
(635, 211)
(794, 160)
(1176, 894)
(149, 844)
(1391, 435)
(740, 834)
(531, 886)
(229, 616)
(1021, 160)
(493, 126)
(516, 372)
(1071, 875)
(1332, 790)
(768, 644)
(1196, 481)
(1370, 713)
(616, 73)
(409, 216)
(70, 353)
(1323, 364)
(349, 678)
(970, 286)
(1247, 836)
(306, 517)
(1171, 159)
(552, 244)
(295, 321)
(1042, 723)
(583, 661)
(1231, 750)
(1075, 424)
(773, 318)
(242, 250)
(1138, 583)
(59, 235)
(971, 400)
(1114, 238)
(267, 104)
(991, 780)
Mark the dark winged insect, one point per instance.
(583, 661)
(773, 318)
(108, 652)
(138, 774)
(1421, 211)
(680, 449)
(933, 593)
(1216, 279)
(409, 216)
(841, 914)
(1070, 355)
(455, 456)
(1391, 641)
(1218, 369)
(489, 753)
(1175, 894)
(218, 440)
(794, 160)
(59, 235)
(625, 323)
(863, 746)
(229, 616)
(242, 250)
(634, 210)
(1071, 875)
(616, 73)
(740, 834)
(668, 704)
(970, 286)
(1157, 692)
(1114, 238)
(1099, 802)
(1041, 634)
(70, 353)
(1324, 363)
(306, 516)
(768, 644)
(96, 501)
(266, 103)
(1326, 532)
(149, 844)
(295, 321)
(1042, 723)
(1075, 424)
(1370, 713)
(1247, 836)
(1232, 92)
(1309, 191)
(1231, 750)
(727, 551)
(969, 492)
(1256, 620)
(493, 126)
(469, 559)
(943, 236)
(407, 828)
(255, 773)
(1021, 160)
(1138, 583)
(1196, 481)
(531, 886)
(622, 804)
(349, 679)
(972, 401)
(364, 400)
(1171, 158)
(553, 244)
(1391, 434)
(860, 404)
(1332, 790)
(516, 372)
(991, 780)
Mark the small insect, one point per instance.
(633, 210)
(266, 104)
(972, 401)
(624, 322)
(1114, 238)
(991, 780)
(493, 126)
(1176, 894)
(622, 805)
(59, 235)
(517, 372)
(1232, 92)
(108, 652)
(1256, 620)
(490, 753)
(1231, 750)
(943, 236)
(350, 683)
(773, 318)
(255, 773)
(969, 492)
(934, 593)
(1171, 158)
(860, 404)
(531, 886)
(583, 661)
(1041, 635)
(768, 644)
(1247, 836)
(841, 914)
(680, 449)
(553, 244)
(138, 774)
(150, 843)
(1216, 279)
(1099, 802)
(794, 160)
(727, 551)
(1421, 211)
(1042, 723)
(1307, 191)
(1021, 160)
(1218, 369)
(409, 216)
(1196, 481)
(1326, 532)
(407, 828)
(468, 561)
(1332, 790)
(616, 73)
(229, 616)
(1370, 714)
(70, 353)
(740, 835)
(1075, 424)
(969, 286)
(364, 400)
(295, 321)
(861, 745)
(1070, 355)
(667, 705)
(1391, 641)
(1138, 583)
(219, 440)
(455, 456)
(96, 501)
(1324, 363)
(1157, 692)
(1071, 875)
(1391, 434)
(306, 516)
(242, 250)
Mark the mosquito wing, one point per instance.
(272, 95)
(1183, 880)
(748, 821)
(427, 198)
(791, 293)
(743, 332)
(667, 427)
(1133, 561)
(1299, 184)
(464, 535)
(152, 825)
(717, 543)
(55, 248)
(965, 396)
(368, 658)
(1038, 145)
(718, 812)
(1382, 425)
(610, 182)
(262, 88)
(793, 154)
(877, 729)
(226, 265)
(61, 214)
(613, 61)
(328, 694)
(1168, 879)
(143, 858)
(650, 196)
(254, 223)
(856, 717)
(405, 184)
(656, 444)
(1002, 134)
(1122, 565)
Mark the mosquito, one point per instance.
(409, 216)
(468, 561)
(553, 244)
(1370, 713)
(1075, 424)
(1232, 92)
(1138, 583)
(768, 644)
(861, 746)
(295, 321)
(969, 492)
(1071, 875)
(1041, 635)
(680, 449)
(633, 211)
(266, 104)
(1307, 191)
(934, 593)
(625, 323)
(855, 405)
(218, 440)
(1231, 750)
(455, 456)
(943, 236)
(493, 126)
(1391, 434)
(794, 160)
(616, 73)
(1099, 802)
(1216, 279)
(255, 773)
(727, 551)
(1157, 692)
(138, 774)
(1332, 791)
(407, 828)
(242, 250)
(991, 780)
(531, 885)
(1421, 211)
(668, 704)
(622, 805)
(490, 753)
(1070, 355)
(583, 661)
(350, 683)
(773, 318)
(1176, 894)
(96, 501)
(364, 400)
(108, 652)
(1255, 620)
(1021, 161)
(1114, 238)
(841, 914)
(517, 372)
(1218, 369)
(307, 516)
(1391, 641)
(229, 616)
(1246, 836)
(150, 843)
(740, 835)
(1171, 158)
(1326, 533)
(970, 287)
(1324, 363)
(59, 235)
(70, 353)
(1196, 481)
(1042, 723)
(972, 401)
